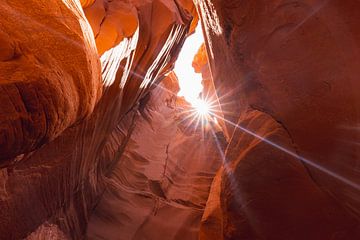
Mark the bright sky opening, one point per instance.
(189, 81)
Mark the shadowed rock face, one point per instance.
(288, 71)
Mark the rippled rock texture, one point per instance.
(95, 145)
(285, 71)
(59, 115)
(160, 186)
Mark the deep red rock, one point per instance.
(161, 183)
(297, 64)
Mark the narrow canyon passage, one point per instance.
(179, 119)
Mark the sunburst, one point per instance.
(202, 107)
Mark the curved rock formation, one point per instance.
(86, 3)
(161, 183)
(50, 73)
(94, 143)
(287, 71)
(111, 21)
(55, 187)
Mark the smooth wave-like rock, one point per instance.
(295, 64)
(50, 72)
(58, 185)
(95, 144)
(160, 185)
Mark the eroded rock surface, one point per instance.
(50, 72)
(296, 65)
(112, 155)
(160, 185)
(53, 189)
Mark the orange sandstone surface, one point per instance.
(95, 143)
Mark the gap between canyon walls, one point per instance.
(96, 144)
(165, 171)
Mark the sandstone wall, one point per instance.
(53, 175)
(288, 73)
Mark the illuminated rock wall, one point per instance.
(58, 114)
(44, 90)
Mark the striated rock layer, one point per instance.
(161, 182)
(286, 74)
(50, 73)
(51, 188)
(94, 143)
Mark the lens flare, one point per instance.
(202, 107)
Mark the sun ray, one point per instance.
(293, 154)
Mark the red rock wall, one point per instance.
(288, 71)
(78, 146)
(159, 187)
(53, 189)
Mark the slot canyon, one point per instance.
(110, 130)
